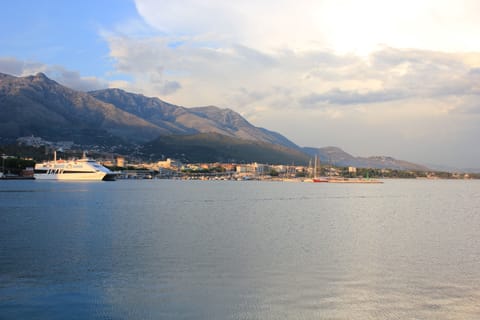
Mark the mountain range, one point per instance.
(176, 120)
(40, 106)
(37, 105)
(337, 157)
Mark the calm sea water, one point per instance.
(239, 250)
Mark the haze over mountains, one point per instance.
(37, 105)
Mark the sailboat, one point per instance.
(316, 168)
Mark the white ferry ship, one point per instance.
(80, 169)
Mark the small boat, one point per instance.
(79, 169)
(353, 180)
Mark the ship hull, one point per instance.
(89, 176)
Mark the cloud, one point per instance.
(399, 74)
(71, 79)
(341, 97)
(262, 25)
(339, 25)
(17, 67)
(327, 53)
(168, 87)
(393, 98)
(429, 73)
(239, 76)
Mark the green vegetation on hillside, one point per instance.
(212, 147)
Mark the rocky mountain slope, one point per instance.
(181, 120)
(37, 105)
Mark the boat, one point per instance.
(77, 169)
(353, 180)
(329, 179)
(316, 178)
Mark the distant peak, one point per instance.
(117, 90)
(41, 75)
(332, 149)
(206, 108)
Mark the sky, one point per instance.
(373, 77)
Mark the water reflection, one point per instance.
(222, 250)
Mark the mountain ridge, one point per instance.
(337, 157)
(38, 105)
(182, 120)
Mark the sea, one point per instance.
(170, 249)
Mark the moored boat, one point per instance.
(353, 180)
(78, 169)
(316, 178)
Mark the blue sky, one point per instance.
(56, 32)
(372, 77)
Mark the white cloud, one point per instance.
(259, 24)
(17, 67)
(69, 78)
(393, 100)
(240, 76)
(339, 25)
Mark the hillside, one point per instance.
(214, 147)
